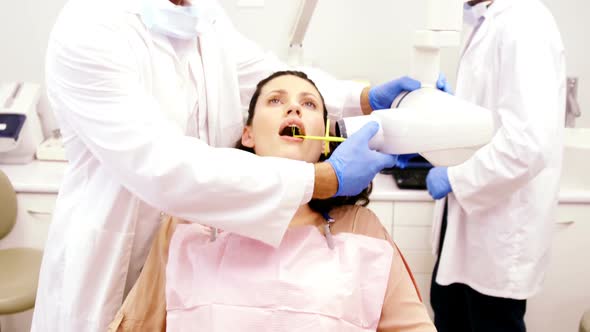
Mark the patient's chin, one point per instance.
(298, 153)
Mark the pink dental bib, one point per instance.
(239, 284)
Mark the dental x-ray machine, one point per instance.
(442, 128)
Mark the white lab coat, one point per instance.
(125, 100)
(504, 199)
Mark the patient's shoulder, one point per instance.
(358, 220)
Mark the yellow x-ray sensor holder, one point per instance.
(327, 138)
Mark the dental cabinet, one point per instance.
(408, 214)
(36, 185)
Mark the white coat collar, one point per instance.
(161, 41)
(217, 78)
(497, 7)
(134, 6)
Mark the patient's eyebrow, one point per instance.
(285, 92)
(280, 91)
(305, 94)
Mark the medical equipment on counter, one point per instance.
(52, 149)
(572, 107)
(411, 173)
(444, 129)
(20, 125)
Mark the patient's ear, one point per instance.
(248, 137)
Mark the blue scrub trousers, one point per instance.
(459, 308)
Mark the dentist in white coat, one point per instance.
(494, 239)
(149, 95)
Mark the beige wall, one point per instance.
(374, 37)
(368, 39)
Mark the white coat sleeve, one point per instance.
(529, 102)
(94, 86)
(253, 65)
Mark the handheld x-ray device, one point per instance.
(444, 129)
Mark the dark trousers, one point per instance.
(459, 308)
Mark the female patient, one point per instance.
(336, 268)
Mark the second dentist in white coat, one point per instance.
(496, 236)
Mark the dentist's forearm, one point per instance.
(365, 105)
(325, 181)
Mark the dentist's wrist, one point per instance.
(325, 181)
(365, 104)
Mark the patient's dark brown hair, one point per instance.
(319, 205)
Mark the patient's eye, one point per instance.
(274, 100)
(310, 104)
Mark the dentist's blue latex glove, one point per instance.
(382, 96)
(404, 159)
(443, 85)
(437, 182)
(355, 164)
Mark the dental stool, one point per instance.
(19, 267)
(585, 323)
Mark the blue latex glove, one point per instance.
(382, 96)
(442, 84)
(437, 182)
(355, 164)
(404, 159)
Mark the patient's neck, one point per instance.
(305, 216)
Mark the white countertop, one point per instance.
(385, 189)
(36, 177)
(45, 177)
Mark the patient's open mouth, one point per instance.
(291, 128)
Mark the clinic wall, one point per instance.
(571, 16)
(353, 39)
(24, 32)
(372, 39)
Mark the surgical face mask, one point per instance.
(473, 14)
(181, 22)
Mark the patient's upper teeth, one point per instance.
(295, 130)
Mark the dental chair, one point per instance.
(19, 267)
(585, 323)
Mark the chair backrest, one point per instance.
(585, 323)
(8, 205)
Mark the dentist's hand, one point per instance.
(443, 85)
(355, 164)
(382, 96)
(437, 182)
(404, 159)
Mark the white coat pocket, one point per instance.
(89, 257)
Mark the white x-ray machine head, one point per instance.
(444, 129)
